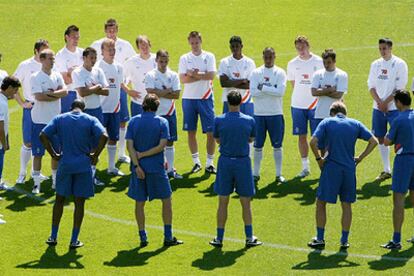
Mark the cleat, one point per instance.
(124, 159)
(253, 241)
(43, 177)
(256, 178)
(211, 169)
(2, 221)
(172, 242)
(51, 242)
(280, 179)
(36, 189)
(143, 244)
(4, 187)
(21, 179)
(174, 175)
(411, 240)
(392, 245)
(344, 245)
(316, 244)
(303, 174)
(98, 182)
(216, 243)
(196, 168)
(115, 172)
(383, 176)
(74, 245)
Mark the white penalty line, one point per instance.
(208, 236)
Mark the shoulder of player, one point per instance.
(339, 71)
(123, 41)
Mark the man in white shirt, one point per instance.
(300, 71)
(268, 85)
(165, 83)
(24, 72)
(47, 87)
(67, 59)
(197, 70)
(387, 74)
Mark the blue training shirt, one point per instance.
(401, 132)
(339, 134)
(146, 130)
(234, 130)
(76, 132)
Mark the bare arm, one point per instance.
(388, 142)
(96, 89)
(226, 82)
(3, 139)
(21, 102)
(134, 159)
(155, 150)
(48, 146)
(45, 97)
(164, 93)
(314, 147)
(101, 145)
(372, 143)
(292, 82)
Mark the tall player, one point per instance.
(24, 72)
(197, 70)
(165, 83)
(47, 87)
(67, 59)
(300, 71)
(387, 74)
(268, 85)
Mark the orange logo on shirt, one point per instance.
(384, 71)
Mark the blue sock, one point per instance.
(168, 232)
(396, 238)
(55, 229)
(344, 237)
(75, 235)
(142, 235)
(248, 230)
(220, 234)
(320, 233)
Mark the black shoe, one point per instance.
(316, 244)
(143, 244)
(77, 244)
(51, 242)
(196, 168)
(344, 245)
(211, 169)
(392, 245)
(256, 178)
(253, 241)
(216, 243)
(172, 242)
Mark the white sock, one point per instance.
(25, 156)
(93, 170)
(36, 178)
(121, 142)
(196, 158)
(258, 155)
(305, 163)
(251, 150)
(385, 156)
(54, 176)
(277, 156)
(111, 156)
(169, 155)
(210, 160)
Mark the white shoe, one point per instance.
(36, 189)
(41, 177)
(54, 185)
(21, 179)
(304, 173)
(98, 182)
(4, 187)
(115, 172)
(124, 159)
(2, 221)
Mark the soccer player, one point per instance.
(234, 131)
(300, 71)
(339, 135)
(387, 74)
(268, 85)
(165, 83)
(74, 176)
(47, 87)
(124, 51)
(197, 70)
(147, 136)
(401, 135)
(9, 87)
(24, 72)
(67, 59)
(91, 84)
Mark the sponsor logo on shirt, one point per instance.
(266, 79)
(236, 74)
(305, 76)
(383, 75)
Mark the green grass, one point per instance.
(283, 214)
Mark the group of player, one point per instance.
(95, 81)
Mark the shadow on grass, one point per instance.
(51, 260)
(374, 189)
(318, 261)
(392, 259)
(187, 182)
(133, 257)
(216, 258)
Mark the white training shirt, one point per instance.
(301, 71)
(123, 49)
(114, 77)
(66, 60)
(268, 101)
(324, 79)
(236, 69)
(43, 112)
(205, 62)
(24, 72)
(154, 79)
(135, 69)
(386, 76)
(4, 115)
(84, 78)
(3, 75)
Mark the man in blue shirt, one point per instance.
(401, 135)
(147, 136)
(337, 135)
(234, 131)
(74, 173)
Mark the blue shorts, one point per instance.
(27, 125)
(123, 111)
(172, 124)
(234, 174)
(76, 184)
(336, 180)
(245, 108)
(111, 122)
(403, 174)
(154, 186)
(66, 102)
(136, 109)
(1, 162)
(275, 125)
(192, 108)
(300, 119)
(95, 112)
(37, 146)
(380, 120)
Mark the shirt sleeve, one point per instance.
(364, 133)
(76, 80)
(59, 64)
(320, 133)
(149, 81)
(402, 76)
(216, 133)
(51, 128)
(392, 133)
(371, 77)
(315, 81)
(19, 72)
(211, 63)
(130, 130)
(165, 131)
(182, 66)
(223, 69)
(102, 79)
(254, 83)
(35, 85)
(176, 86)
(342, 85)
(61, 82)
(290, 72)
(3, 113)
(97, 128)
